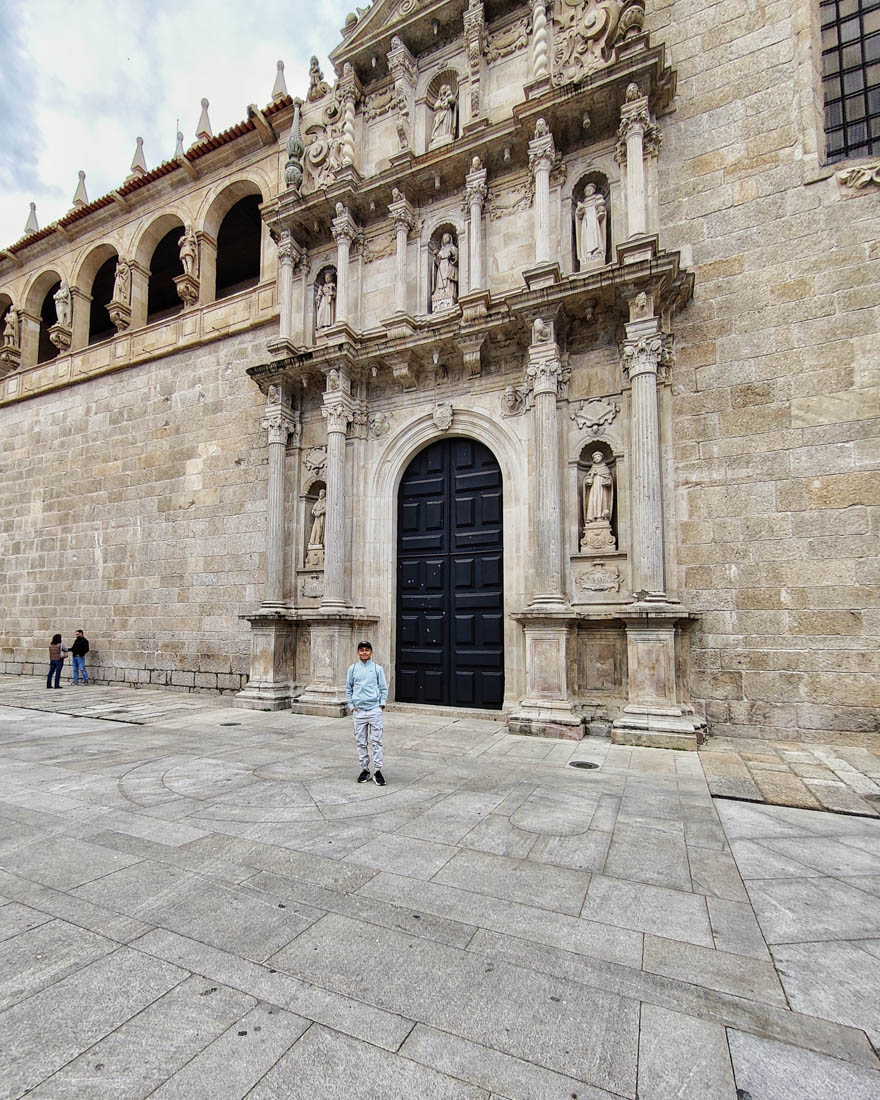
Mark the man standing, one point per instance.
(79, 649)
(367, 691)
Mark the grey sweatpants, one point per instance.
(363, 720)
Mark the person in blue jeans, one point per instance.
(367, 691)
(57, 653)
(78, 650)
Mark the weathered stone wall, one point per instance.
(776, 382)
(134, 507)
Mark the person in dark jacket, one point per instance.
(78, 650)
(57, 653)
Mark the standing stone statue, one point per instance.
(9, 328)
(598, 499)
(590, 228)
(62, 305)
(443, 124)
(445, 274)
(189, 252)
(325, 301)
(315, 551)
(122, 282)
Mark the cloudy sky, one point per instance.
(81, 79)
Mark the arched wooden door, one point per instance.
(450, 591)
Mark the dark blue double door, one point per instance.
(450, 595)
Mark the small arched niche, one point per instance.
(597, 499)
(239, 247)
(314, 513)
(443, 121)
(591, 222)
(444, 270)
(324, 298)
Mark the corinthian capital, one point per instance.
(636, 118)
(280, 426)
(349, 86)
(338, 415)
(343, 227)
(542, 149)
(401, 211)
(475, 183)
(644, 356)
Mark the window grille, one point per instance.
(851, 77)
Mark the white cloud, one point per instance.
(79, 82)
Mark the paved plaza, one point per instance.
(200, 901)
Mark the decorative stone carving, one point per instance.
(324, 143)
(586, 33)
(63, 305)
(189, 252)
(325, 301)
(122, 282)
(379, 425)
(445, 275)
(442, 416)
(280, 426)
(318, 86)
(593, 414)
(590, 228)
(475, 40)
(541, 54)
(338, 416)
(511, 200)
(601, 578)
(10, 329)
(636, 116)
(648, 355)
(513, 400)
(379, 103)
(312, 588)
(315, 551)
(349, 89)
(315, 461)
(443, 124)
(598, 503)
(380, 246)
(293, 170)
(10, 352)
(861, 176)
(404, 73)
(509, 40)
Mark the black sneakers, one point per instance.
(379, 779)
(364, 776)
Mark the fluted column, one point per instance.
(541, 153)
(475, 192)
(642, 357)
(403, 216)
(286, 255)
(544, 371)
(344, 231)
(338, 413)
(638, 133)
(280, 424)
(540, 41)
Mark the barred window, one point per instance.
(851, 77)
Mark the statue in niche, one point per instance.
(189, 252)
(443, 124)
(589, 224)
(122, 282)
(598, 502)
(315, 551)
(62, 305)
(325, 301)
(9, 328)
(445, 274)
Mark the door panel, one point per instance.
(450, 599)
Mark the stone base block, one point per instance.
(263, 699)
(570, 727)
(321, 710)
(660, 729)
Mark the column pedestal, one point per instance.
(273, 663)
(654, 715)
(331, 652)
(546, 710)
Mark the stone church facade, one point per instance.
(540, 347)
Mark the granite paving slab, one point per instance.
(527, 881)
(683, 1057)
(765, 1068)
(670, 913)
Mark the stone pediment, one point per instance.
(370, 36)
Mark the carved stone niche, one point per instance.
(442, 121)
(591, 222)
(444, 273)
(597, 482)
(324, 292)
(314, 526)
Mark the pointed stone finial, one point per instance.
(179, 150)
(204, 131)
(293, 170)
(279, 88)
(81, 198)
(32, 225)
(138, 161)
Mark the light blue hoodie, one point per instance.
(366, 686)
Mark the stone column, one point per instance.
(344, 231)
(404, 72)
(475, 192)
(280, 424)
(541, 153)
(287, 254)
(404, 219)
(637, 132)
(349, 88)
(642, 357)
(338, 413)
(544, 371)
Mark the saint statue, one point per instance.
(189, 253)
(122, 282)
(589, 224)
(319, 514)
(598, 490)
(443, 125)
(9, 328)
(325, 301)
(445, 273)
(62, 305)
